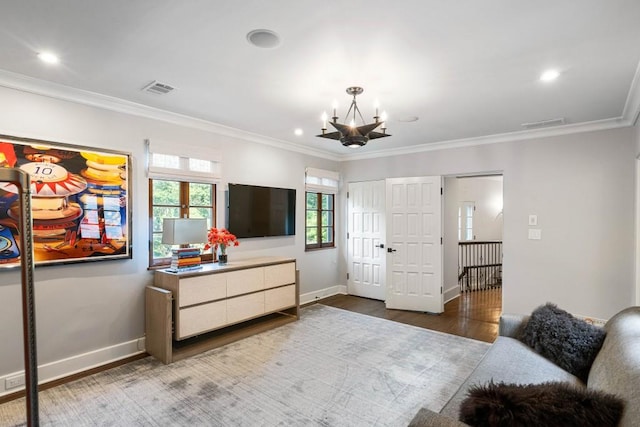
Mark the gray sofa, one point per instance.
(616, 369)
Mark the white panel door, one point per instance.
(414, 231)
(366, 226)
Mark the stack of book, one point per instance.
(185, 259)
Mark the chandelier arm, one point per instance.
(359, 113)
(353, 103)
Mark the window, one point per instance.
(179, 187)
(320, 221)
(177, 199)
(321, 186)
(465, 221)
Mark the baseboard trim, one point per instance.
(322, 293)
(451, 294)
(53, 371)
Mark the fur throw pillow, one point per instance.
(549, 404)
(570, 343)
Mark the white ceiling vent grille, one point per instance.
(544, 123)
(158, 88)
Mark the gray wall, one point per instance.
(90, 307)
(581, 186)
(636, 132)
(450, 239)
(486, 192)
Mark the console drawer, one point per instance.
(245, 281)
(199, 289)
(279, 298)
(278, 275)
(201, 318)
(245, 307)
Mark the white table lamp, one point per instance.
(183, 231)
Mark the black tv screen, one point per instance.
(255, 211)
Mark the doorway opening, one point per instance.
(473, 233)
(378, 242)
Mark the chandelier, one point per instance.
(351, 135)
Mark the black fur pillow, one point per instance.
(570, 343)
(549, 404)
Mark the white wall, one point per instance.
(450, 239)
(92, 311)
(636, 132)
(486, 192)
(581, 186)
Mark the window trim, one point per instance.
(184, 207)
(463, 221)
(319, 226)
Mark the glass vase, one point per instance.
(222, 259)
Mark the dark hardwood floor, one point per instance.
(472, 315)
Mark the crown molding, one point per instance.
(631, 110)
(66, 93)
(630, 117)
(494, 139)
(24, 83)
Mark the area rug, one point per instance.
(331, 368)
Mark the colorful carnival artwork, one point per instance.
(79, 202)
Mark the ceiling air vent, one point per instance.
(157, 88)
(544, 123)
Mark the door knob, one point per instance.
(391, 250)
(381, 246)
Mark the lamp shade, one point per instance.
(182, 231)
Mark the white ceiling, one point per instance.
(466, 68)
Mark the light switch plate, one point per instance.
(535, 234)
(533, 219)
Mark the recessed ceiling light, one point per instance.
(549, 75)
(48, 57)
(265, 39)
(298, 132)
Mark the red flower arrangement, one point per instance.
(220, 237)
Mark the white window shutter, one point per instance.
(322, 181)
(169, 161)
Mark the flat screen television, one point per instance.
(255, 211)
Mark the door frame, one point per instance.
(450, 235)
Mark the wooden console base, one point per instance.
(202, 343)
(266, 284)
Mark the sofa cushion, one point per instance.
(569, 342)
(509, 360)
(549, 404)
(617, 366)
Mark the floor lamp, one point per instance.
(22, 181)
